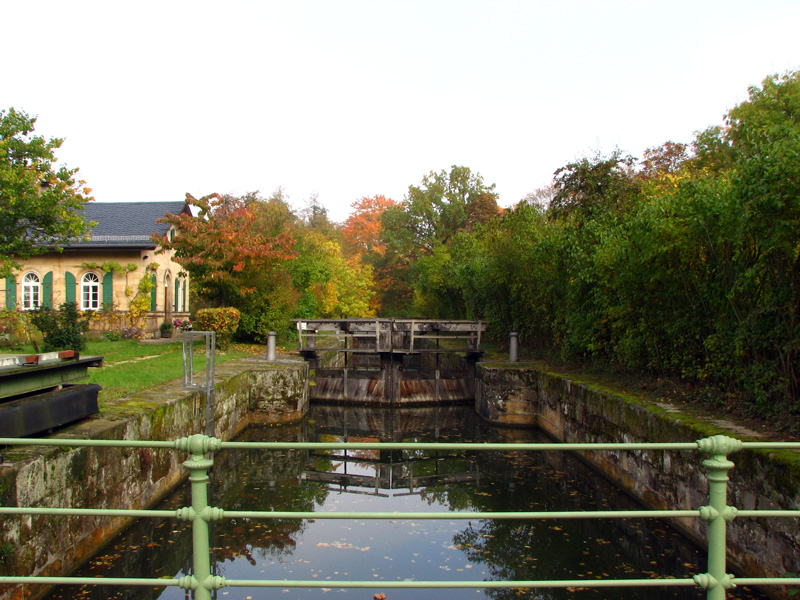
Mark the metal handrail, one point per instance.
(716, 581)
(210, 340)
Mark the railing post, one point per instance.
(271, 350)
(200, 514)
(717, 513)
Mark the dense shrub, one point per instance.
(222, 321)
(683, 266)
(61, 329)
(269, 308)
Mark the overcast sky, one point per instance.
(352, 99)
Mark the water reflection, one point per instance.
(390, 473)
(400, 549)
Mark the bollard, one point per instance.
(513, 347)
(271, 355)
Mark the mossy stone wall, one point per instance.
(246, 391)
(571, 411)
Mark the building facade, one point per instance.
(102, 273)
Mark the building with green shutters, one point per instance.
(101, 273)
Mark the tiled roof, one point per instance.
(127, 224)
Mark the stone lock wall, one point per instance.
(246, 391)
(507, 394)
(570, 411)
(254, 391)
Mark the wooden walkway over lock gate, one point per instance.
(391, 361)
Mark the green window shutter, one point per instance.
(177, 293)
(69, 282)
(108, 290)
(47, 290)
(153, 293)
(183, 296)
(11, 292)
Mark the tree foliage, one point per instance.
(666, 159)
(417, 232)
(683, 264)
(363, 229)
(587, 188)
(330, 284)
(365, 240)
(40, 203)
(225, 244)
(236, 249)
(434, 211)
(258, 256)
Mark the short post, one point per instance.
(513, 347)
(717, 513)
(271, 355)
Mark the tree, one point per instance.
(712, 151)
(764, 133)
(442, 205)
(363, 238)
(315, 216)
(540, 197)
(329, 284)
(222, 247)
(236, 251)
(666, 159)
(430, 217)
(594, 185)
(40, 203)
(363, 230)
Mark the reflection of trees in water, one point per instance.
(241, 480)
(265, 537)
(455, 498)
(261, 480)
(391, 424)
(480, 481)
(570, 549)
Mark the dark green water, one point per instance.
(397, 550)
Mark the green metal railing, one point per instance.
(201, 448)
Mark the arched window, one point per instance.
(90, 292)
(31, 292)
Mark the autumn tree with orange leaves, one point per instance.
(236, 250)
(363, 230)
(364, 240)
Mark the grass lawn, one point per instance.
(129, 366)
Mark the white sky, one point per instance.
(352, 99)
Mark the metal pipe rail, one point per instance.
(716, 581)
